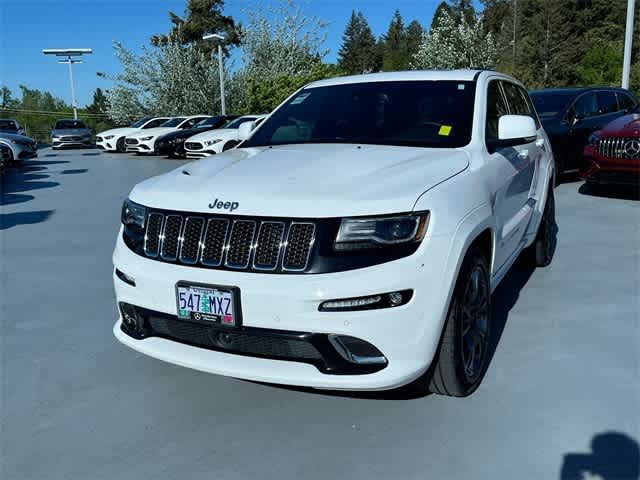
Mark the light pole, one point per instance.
(628, 37)
(220, 38)
(69, 53)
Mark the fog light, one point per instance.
(370, 302)
(130, 316)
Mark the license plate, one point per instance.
(210, 304)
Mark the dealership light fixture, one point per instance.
(69, 53)
(220, 39)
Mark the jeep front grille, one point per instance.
(618, 147)
(230, 243)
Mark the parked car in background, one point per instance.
(113, 140)
(352, 241)
(20, 147)
(172, 144)
(612, 156)
(11, 126)
(220, 140)
(5, 157)
(145, 140)
(571, 115)
(70, 133)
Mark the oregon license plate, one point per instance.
(213, 304)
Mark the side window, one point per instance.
(496, 107)
(585, 106)
(155, 123)
(625, 101)
(188, 124)
(607, 102)
(516, 102)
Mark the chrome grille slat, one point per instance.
(229, 243)
(616, 147)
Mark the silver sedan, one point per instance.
(21, 147)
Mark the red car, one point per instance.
(612, 155)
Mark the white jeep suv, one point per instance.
(352, 241)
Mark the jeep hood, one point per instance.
(317, 180)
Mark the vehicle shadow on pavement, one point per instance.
(613, 456)
(18, 186)
(620, 192)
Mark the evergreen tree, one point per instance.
(464, 11)
(357, 53)
(100, 104)
(442, 9)
(396, 55)
(201, 17)
(414, 37)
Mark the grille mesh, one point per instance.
(240, 243)
(170, 237)
(190, 248)
(298, 246)
(152, 235)
(269, 242)
(221, 242)
(193, 145)
(234, 342)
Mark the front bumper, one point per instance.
(59, 143)
(407, 335)
(107, 145)
(610, 171)
(142, 147)
(199, 153)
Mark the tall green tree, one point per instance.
(443, 8)
(463, 10)
(414, 37)
(100, 105)
(201, 17)
(358, 51)
(396, 55)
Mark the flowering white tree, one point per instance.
(455, 43)
(167, 79)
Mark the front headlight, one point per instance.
(133, 215)
(208, 143)
(364, 233)
(108, 137)
(146, 139)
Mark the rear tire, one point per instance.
(463, 354)
(540, 252)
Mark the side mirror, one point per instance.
(514, 130)
(245, 129)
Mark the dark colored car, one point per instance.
(571, 115)
(612, 156)
(172, 144)
(5, 157)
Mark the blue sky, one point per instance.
(28, 26)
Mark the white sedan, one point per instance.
(145, 140)
(217, 141)
(113, 140)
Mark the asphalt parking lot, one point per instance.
(561, 394)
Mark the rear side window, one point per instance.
(585, 106)
(155, 123)
(625, 101)
(607, 102)
(496, 107)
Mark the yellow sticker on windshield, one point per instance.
(445, 130)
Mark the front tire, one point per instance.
(120, 147)
(463, 354)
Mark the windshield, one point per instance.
(8, 126)
(67, 124)
(210, 122)
(239, 121)
(550, 104)
(140, 122)
(173, 122)
(405, 113)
